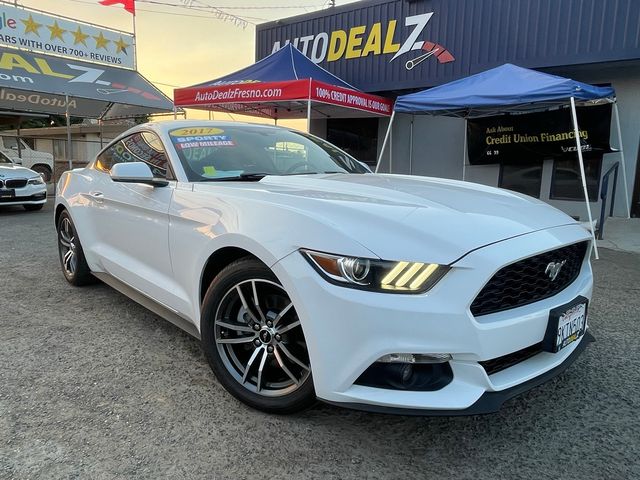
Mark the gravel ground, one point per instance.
(94, 386)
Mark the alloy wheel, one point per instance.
(67, 245)
(259, 338)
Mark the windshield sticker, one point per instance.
(191, 131)
(204, 141)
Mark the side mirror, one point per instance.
(136, 172)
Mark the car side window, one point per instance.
(140, 147)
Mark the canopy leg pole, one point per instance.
(309, 107)
(391, 151)
(624, 168)
(175, 113)
(464, 151)
(386, 139)
(411, 146)
(101, 133)
(68, 117)
(18, 143)
(576, 132)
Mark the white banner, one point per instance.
(41, 32)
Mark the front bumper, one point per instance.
(29, 195)
(489, 402)
(348, 330)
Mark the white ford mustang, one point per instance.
(306, 276)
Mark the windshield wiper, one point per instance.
(248, 177)
(257, 176)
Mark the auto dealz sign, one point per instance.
(379, 38)
(40, 32)
(38, 82)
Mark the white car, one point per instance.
(21, 186)
(305, 276)
(41, 162)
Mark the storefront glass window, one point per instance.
(566, 183)
(359, 138)
(525, 179)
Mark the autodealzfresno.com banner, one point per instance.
(248, 92)
(44, 33)
(536, 136)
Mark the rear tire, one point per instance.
(74, 265)
(33, 208)
(253, 339)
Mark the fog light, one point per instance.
(415, 358)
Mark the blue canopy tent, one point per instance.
(504, 89)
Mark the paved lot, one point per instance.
(94, 386)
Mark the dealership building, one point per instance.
(392, 48)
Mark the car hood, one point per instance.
(408, 217)
(15, 171)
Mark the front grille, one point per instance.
(496, 365)
(527, 281)
(16, 183)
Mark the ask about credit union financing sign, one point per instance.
(44, 33)
(518, 139)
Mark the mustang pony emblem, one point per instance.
(553, 269)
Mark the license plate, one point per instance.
(567, 324)
(7, 193)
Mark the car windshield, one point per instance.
(243, 152)
(4, 159)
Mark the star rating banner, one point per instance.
(42, 32)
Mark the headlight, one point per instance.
(36, 181)
(376, 275)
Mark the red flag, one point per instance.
(129, 5)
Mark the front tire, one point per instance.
(254, 341)
(74, 265)
(44, 171)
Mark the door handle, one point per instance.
(97, 196)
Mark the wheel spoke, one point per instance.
(249, 363)
(282, 313)
(66, 260)
(64, 235)
(289, 327)
(245, 304)
(256, 302)
(260, 368)
(64, 242)
(238, 327)
(236, 340)
(67, 228)
(284, 367)
(291, 357)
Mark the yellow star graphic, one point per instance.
(56, 31)
(121, 46)
(101, 41)
(31, 26)
(80, 37)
